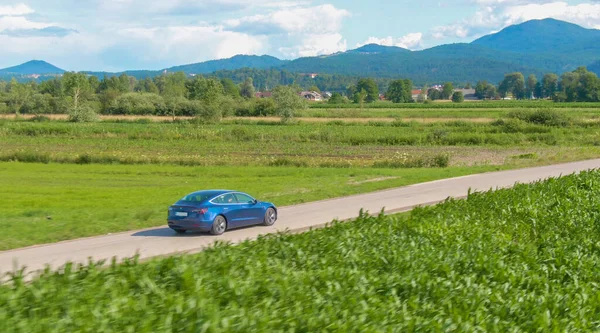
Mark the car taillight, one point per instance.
(201, 211)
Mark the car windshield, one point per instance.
(197, 197)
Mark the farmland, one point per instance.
(523, 259)
(121, 174)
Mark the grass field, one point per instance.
(87, 200)
(64, 180)
(519, 260)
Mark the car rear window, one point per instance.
(197, 197)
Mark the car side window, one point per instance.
(225, 199)
(242, 198)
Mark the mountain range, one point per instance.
(534, 47)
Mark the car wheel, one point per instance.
(179, 231)
(219, 225)
(270, 217)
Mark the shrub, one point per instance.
(458, 97)
(82, 114)
(547, 117)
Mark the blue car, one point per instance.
(215, 211)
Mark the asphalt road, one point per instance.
(162, 241)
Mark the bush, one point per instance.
(458, 97)
(546, 117)
(83, 114)
(4, 109)
(264, 107)
(138, 104)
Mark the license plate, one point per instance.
(181, 214)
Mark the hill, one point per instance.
(378, 49)
(542, 36)
(235, 62)
(564, 45)
(33, 67)
(595, 67)
(534, 47)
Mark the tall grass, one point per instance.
(521, 260)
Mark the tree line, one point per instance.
(579, 85)
(211, 98)
(83, 97)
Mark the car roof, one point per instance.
(214, 193)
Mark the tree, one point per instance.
(513, 83)
(468, 86)
(549, 85)
(538, 92)
(447, 90)
(458, 97)
(207, 90)
(94, 83)
(314, 88)
(18, 94)
(433, 94)
(230, 88)
(77, 86)
(287, 101)
(579, 86)
(400, 91)
(530, 86)
(371, 89)
(336, 98)
(173, 85)
(247, 89)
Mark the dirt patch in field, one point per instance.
(372, 180)
(268, 119)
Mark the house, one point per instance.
(327, 95)
(416, 92)
(311, 96)
(468, 93)
(263, 94)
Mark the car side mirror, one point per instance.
(254, 202)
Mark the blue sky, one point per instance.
(154, 34)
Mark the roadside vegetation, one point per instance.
(523, 259)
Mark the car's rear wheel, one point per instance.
(270, 217)
(219, 225)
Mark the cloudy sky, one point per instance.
(154, 34)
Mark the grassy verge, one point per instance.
(44, 203)
(523, 259)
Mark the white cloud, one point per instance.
(316, 44)
(19, 9)
(160, 36)
(188, 44)
(299, 31)
(411, 41)
(20, 22)
(310, 20)
(498, 14)
(188, 7)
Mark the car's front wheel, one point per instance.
(270, 217)
(219, 225)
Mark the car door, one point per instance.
(250, 212)
(230, 208)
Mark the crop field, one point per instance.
(543, 136)
(518, 260)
